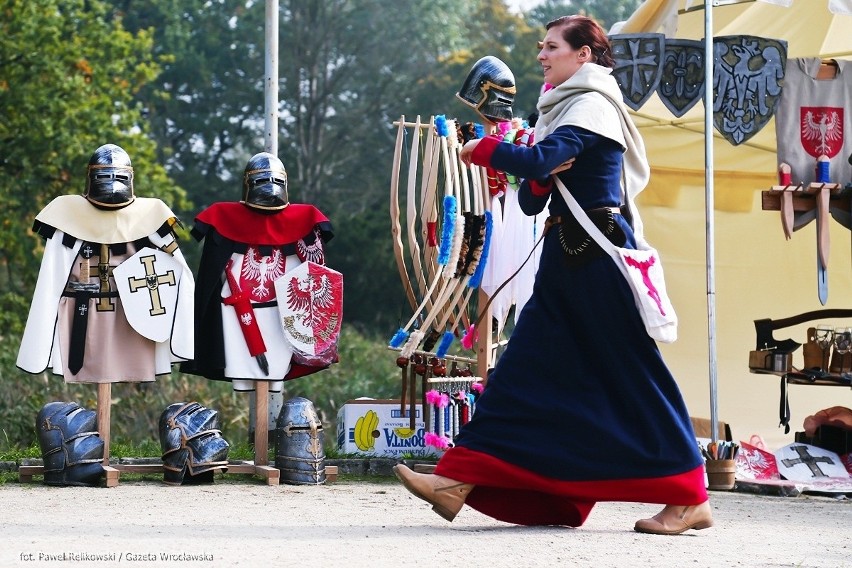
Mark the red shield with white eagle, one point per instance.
(310, 305)
(821, 130)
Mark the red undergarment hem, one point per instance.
(516, 495)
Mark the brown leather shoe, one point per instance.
(444, 494)
(675, 519)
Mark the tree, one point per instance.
(68, 74)
(605, 12)
(348, 68)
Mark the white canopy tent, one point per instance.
(683, 159)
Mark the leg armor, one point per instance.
(192, 444)
(71, 447)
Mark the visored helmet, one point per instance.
(265, 183)
(109, 180)
(490, 89)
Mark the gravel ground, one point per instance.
(376, 523)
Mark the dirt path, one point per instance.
(378, 524)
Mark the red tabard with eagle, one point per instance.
(245, 253)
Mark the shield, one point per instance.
(638, 65)
(821, 130)
(806, 463)
(748, 72)
(310, 306)
(682, 77)
(147, 284)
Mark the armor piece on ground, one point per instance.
(299, 448)
(490, 89)
(265, 183)
(71, 447)
(109, 180)
(192, 444)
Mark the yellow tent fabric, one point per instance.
(758, 274)
(676, 145)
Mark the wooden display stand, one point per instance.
(260, 466)
(803, 197)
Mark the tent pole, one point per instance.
(271, 78)
(710, 212)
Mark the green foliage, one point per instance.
(68, 74)
(605, 12)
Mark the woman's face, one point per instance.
(559, 61)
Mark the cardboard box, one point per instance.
(376, 427)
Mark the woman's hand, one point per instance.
(566, 165)
(467, 151)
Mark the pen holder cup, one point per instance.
(721, 474)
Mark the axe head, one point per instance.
(764, 328)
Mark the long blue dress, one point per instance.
(580, 407)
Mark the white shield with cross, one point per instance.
(806, 463)
(147, 284)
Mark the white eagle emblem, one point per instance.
(822, 130)
(260, 272)
(311, 298)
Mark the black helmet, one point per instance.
(109, 180)
(265, 183)
(490, 89)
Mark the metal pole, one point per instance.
(271, 78)
(710, 212)
(270, 98)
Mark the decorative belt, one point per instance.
(577, 244)
(557, 219)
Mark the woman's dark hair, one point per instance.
(579, 31)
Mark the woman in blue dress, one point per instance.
(580, 407)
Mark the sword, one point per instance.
(248, 323)
(822, 199)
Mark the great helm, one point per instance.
(109, 180)
(490, 89)
(265, 183)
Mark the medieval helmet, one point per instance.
(300, 448)
(109, 181)
(265, 183)
(192, 444)
(490, 89)
(71, 447)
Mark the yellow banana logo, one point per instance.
(364, 428)
(404, 433)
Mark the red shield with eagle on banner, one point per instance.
(310, 305)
